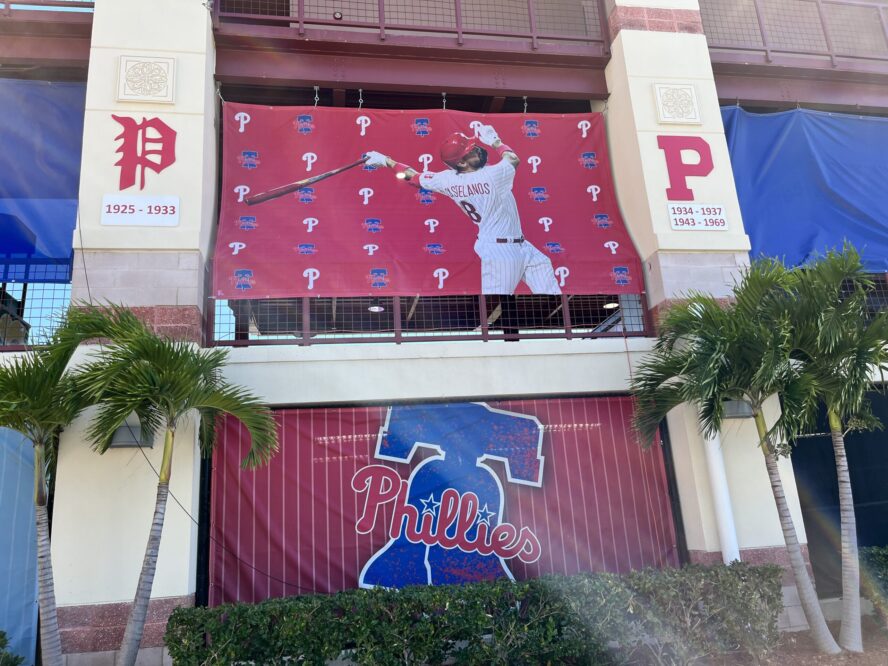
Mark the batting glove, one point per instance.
(375, 159)
(487, 134)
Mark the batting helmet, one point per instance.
(455, 147)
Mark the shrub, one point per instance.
(6, 658)
(671, 616)
(874, 566)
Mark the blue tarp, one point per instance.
(18, 545)
(40, 143)
(808, 180)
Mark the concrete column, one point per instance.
(150, 86)
(670, 156)
(721, 500)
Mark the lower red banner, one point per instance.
(435, 494)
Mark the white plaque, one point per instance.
(131, 210)
(690, 216)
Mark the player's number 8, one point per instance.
(471, 211)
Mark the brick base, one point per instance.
(100, 627)
(179, 322)
(774, 555)
(658, 20)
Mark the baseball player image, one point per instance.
(484, 194)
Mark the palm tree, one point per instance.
(38, 402)
(163, 382)
(837, 343)
(708, 352)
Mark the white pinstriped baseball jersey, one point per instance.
(484, 195)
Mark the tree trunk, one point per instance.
(132, 637)
(50, 641)
(811, 606)
(850, 634)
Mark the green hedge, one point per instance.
(672, 616)
(874, 578)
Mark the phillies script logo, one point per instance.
(379, 278)
(243, 279)
(621, 276)
(247, 222)
(435, 249)
(446, 521)
(425, 197)
(150, 144)
(373, 225)
(307, 248)
(304, 123)
(589, 160)
(248, 159)
(538, 194)
(306, 195)
(421, 127)
(555, 248)
(531, 129)
(602, 221)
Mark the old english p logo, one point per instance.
(421, 127)
(446, 522)
(150, 144)
(304, 123)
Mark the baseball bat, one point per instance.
(276, 192)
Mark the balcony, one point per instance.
(312, 321)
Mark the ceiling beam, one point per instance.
(275, 68)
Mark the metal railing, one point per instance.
(537, 21)
(309, 321)
(833, 29)
(7, 8)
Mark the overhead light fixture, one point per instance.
(130, 435)
(736, 409)
(611, 306)
(376, 307)
(337, 16)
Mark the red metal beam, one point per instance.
(272, 68)
(840, 95)
(417, 44)
(45, 39)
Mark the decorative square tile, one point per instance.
(677, 103)
(146, 79)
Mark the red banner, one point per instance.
(438, 493)
(523, 204)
